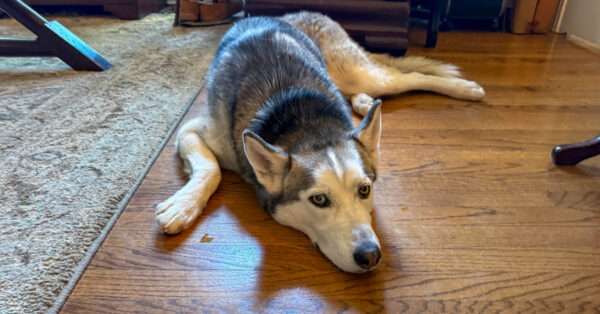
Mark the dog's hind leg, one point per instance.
(180, 210)
(367, 85)
(379, 81)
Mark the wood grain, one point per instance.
(472, 214)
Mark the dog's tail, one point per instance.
(416, 64)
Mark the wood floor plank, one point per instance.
(472, 215)
(402, 259)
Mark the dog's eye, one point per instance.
(364, 190)
(320, 200)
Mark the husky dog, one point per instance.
(276, 117)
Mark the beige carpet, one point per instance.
(73, 145)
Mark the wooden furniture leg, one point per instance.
(433, 24)
(53, 40)
(572, 154)
(133, 10)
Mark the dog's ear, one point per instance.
(368, 132)
(268, 162)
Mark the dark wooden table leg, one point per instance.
(572, 154)
(53, 40)
(433, 25)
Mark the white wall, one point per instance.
(582, 19)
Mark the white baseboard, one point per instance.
(584, 43)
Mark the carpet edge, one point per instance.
(65, 292)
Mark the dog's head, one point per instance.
(327, 193)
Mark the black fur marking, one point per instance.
(321, 121)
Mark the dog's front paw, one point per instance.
(469, 90)
(176, 213)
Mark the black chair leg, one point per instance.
(572, 154)
(434, 23)
(53, 40)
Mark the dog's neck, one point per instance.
(297, 119)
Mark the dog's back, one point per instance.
(261, 69)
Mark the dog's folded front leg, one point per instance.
(181, 209)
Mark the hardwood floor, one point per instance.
(472, 214)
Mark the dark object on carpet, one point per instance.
(192, 13)
(572, 154)
(53, 40)
(123, 9)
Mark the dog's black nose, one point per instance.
(367, 255)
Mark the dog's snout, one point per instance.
(367, 255)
